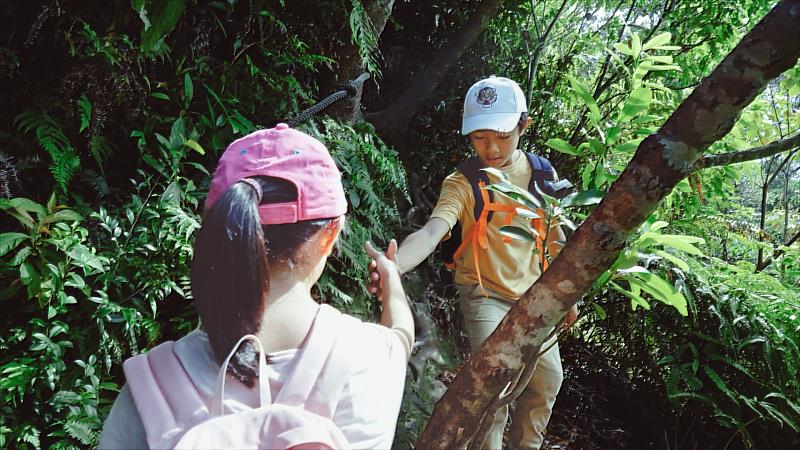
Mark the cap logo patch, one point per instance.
(486, 97)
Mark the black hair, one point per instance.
(233, 257)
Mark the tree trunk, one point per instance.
(661, 160)
(392, 122)
(762, 216)
(350, 65)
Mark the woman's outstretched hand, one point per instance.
(384, 275)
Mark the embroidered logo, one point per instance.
(486, 97)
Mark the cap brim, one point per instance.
(502, 122)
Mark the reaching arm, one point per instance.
(420, 244)
(396, 314)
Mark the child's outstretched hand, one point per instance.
(384, 276)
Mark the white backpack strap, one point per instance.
(327, 391)
(263, 383)
(311, 369)
(166, 399)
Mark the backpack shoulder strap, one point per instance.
(318, 368)
(166, 399)
(471, 169)
(541, 173)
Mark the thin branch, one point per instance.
(773, 148)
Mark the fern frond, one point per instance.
(85, 109)
(365, 37)
(51, 137)
(102, 148)
(82, 432)
(64, 167)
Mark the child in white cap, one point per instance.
(491, 278)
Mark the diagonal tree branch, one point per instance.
(392, 122)
(662, 159)
(773, 148)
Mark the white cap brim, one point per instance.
(502, 122)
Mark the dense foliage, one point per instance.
(115, 116)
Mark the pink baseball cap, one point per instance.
(286, 153)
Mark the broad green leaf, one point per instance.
(160, 95)
(660, 290)
(588, 197)
(562, 146)
(497, 173)
(176, 134)
(637, 103)
(601, 313)
(612, 134)
(682, 243)
(527, 213)
(159, 19)
(10, 241)
(658, 225)
(517, 233)
(596, 146)
(583, 93)
(622, 48)
(188, 88)
(636, 299)
(194, 145)
(636, 45)
(658, 40)
(628, 147)
(651, 67)
(681, 264)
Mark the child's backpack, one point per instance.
(175, 415)
(541, 175)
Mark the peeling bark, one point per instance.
(661, 160)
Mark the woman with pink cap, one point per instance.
(273, 214)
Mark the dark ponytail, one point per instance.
(233, 255)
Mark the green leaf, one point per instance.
(636, 299)
(562, 146)
(612, 134)
(622, 48)
(601, 313)
(85, 109)
(720, 383)
(194, 145)
(160, 95)
(637, 103)
(628, 147)
(660, 290)
(657, 41)
(682, 243)
(636, 45)
(159, 18)
(588, 197)
(517, 233)
(188, 88)
(10, 241)
(681, 264)
(583, 93)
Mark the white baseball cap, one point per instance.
(494, 103)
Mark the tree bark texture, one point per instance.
(773, 148)
(350, 65)
(662, 159)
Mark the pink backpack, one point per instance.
(175, 415)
